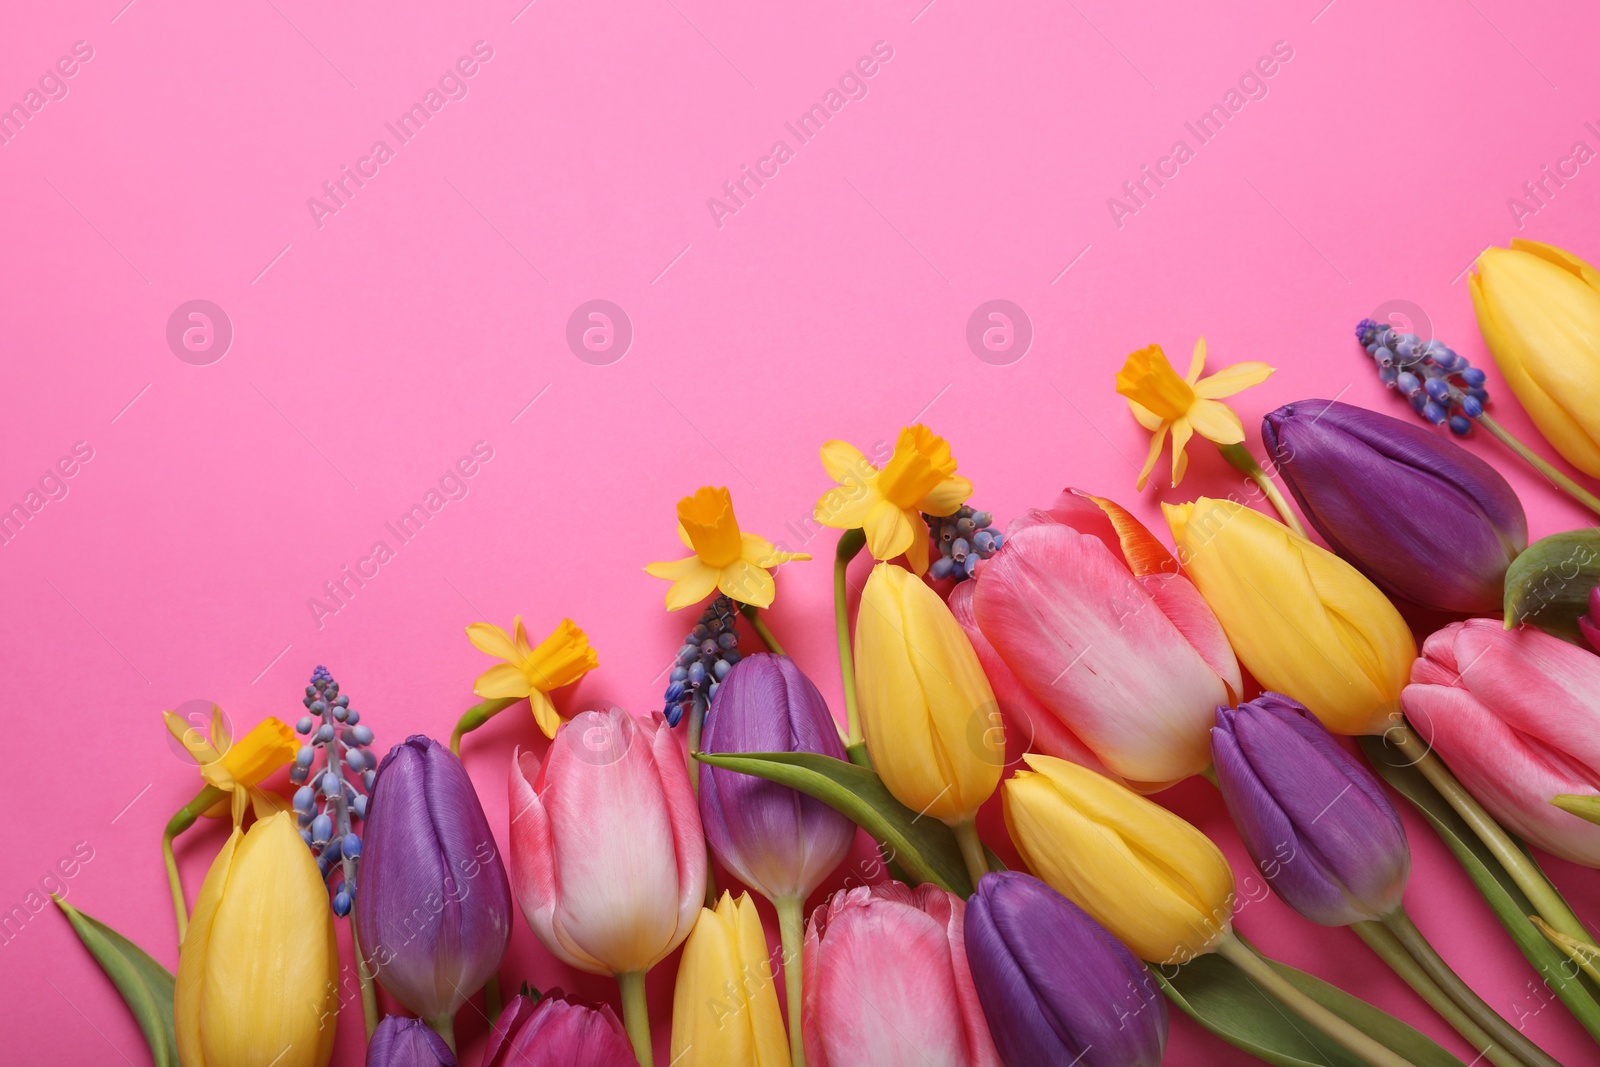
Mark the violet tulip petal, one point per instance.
(403, 1042)
(557, 1032)
(1102, 1010)
(1418, 514)
(776, 840)
(433, 905)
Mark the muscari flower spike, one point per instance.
(328, 801)
(706, 657)
(1439, 382)
(964, 538)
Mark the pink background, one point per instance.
(427, 313)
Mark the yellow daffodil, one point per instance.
(259, 754)
(725, 559)
(887, 504)
(1162, 401)
(561, 659)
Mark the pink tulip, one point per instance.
(887, 983)
(1516, 715)
(607, 858)
(1101, 630)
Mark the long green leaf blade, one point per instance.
(146, 986)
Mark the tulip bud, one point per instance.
(1089, 612)
(607, 857)
(1422, 517)
(1158, 884)
(557, 1032)
(725, 1007)
(1101, 1010)
(1539, 311)
(1516, 715)
(259, 967)
(1315, 821)
(402, 1042)
(887, 982)
(776, 840)
(930, 718)
(433, 907)
(1303, 621)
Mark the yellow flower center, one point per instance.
(920, 464)
(1149, 381)
(708, 519)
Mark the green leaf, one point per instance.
(145, 985)
(1548, 583)
(1224, 1000)
(1492, 881)
(924, 847)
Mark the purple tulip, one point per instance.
(403, 1042)
(557, 1032)
(1315, 821)
(778, 841)
(1422, 517)
(1054, 985)
(433, 907)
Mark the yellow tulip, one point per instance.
(1302, 621)
(1539, 310)
(254, 758)
(1157, 883)
(725, 560)
(930, 718)
(725, 1007)
(529, 671)
(258, 972)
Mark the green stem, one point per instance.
(753, 613)
(850, 543)
(445, 1027)
(180, 822)
(1241, 460)
(1580, 952)
(369, 995)
(1538, 463)
(636, 1015)
(491, 998)
(791, 928)
(1516, 863)
(971, 850)
(1384, 945)
(1342, 1033)
(476, 716)
(1513, 1040)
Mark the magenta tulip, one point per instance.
(557, 1032)
(887, 982)
(607, 857)
(1516, 715)
(1093, 617)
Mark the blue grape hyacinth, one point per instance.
(1439, 382)
(334, 770)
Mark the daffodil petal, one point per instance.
(947, 497)
(674, 569)
(544, 713)
(490, 639)
(846, 507)
(1216, 421)
(693, 587)
(1234, 379)
(917, 550)
(1147, 418)
(502, 681)
(1154, 454)
(520, 639)
(888, 531)
(845, 463)
(764, 553)
(1181, 432)
(1197, 362)
(747, 583)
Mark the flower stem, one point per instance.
(445, 1027)
(636, 1015)
(1580, 952)
(791, 927)
(1384, 945)
(753, 613)
(1516, 863)
(1538, 463)
(369, 996)
(850, 543)
(1405, 931)
(1345, 1035)
(180, 822)
(1241, 460)
(697, 724)
(971, 850)
(476, 716)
